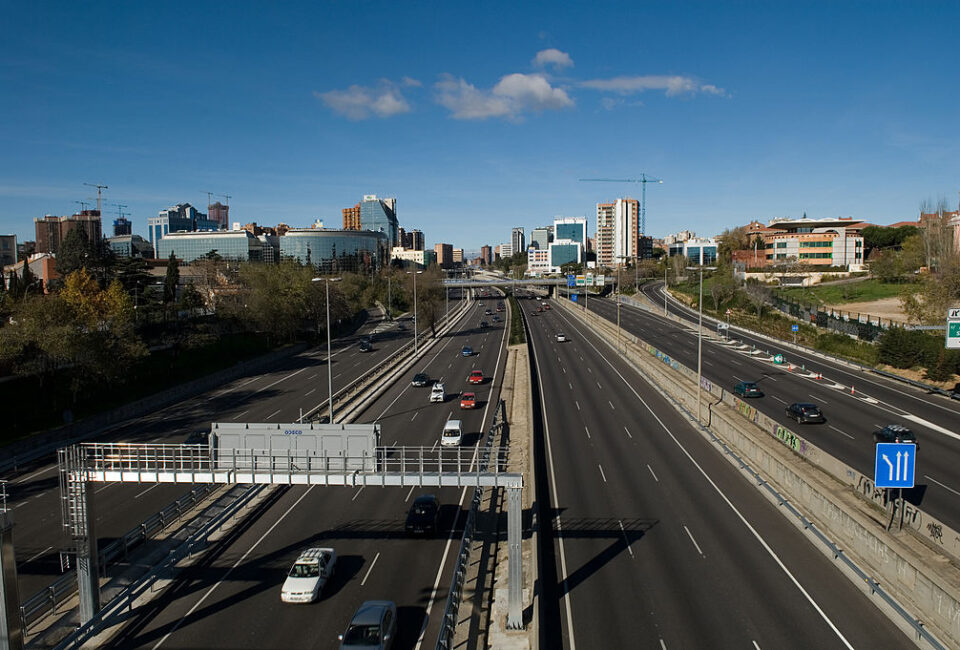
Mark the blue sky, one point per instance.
(480, 116)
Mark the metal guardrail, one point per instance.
(3, 496)
(47, 601)
(449, 621)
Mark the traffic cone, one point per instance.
(853, 390)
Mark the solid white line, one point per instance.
(37, 473)
(690, 535)
(375, 558)
(155, 485)
(272, 414)
(654, 475)
(604, 476)
(723, 496)
(931, 425)
(230, 570)
(945, 487)
(31, 559)
(839, 431)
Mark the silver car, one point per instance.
(373, 626)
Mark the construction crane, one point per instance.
(209, 199)
(227, 197)
(120, 207)
(83, 205)
(100, 188)
(643, 180)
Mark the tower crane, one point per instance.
(643, 180)
(100, 188)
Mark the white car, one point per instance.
(561, 338)
(438, 393)
(308, 575)
(452, 434)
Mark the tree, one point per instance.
(190, 299)
(722, 288)
(77, 251)
(732, 239)
(886, 265)
(171, 280)
(758, 294)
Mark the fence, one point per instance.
(864, 326)
(449, 621)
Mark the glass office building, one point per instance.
(700, 252)
(333, 251)
(380, 215)
(570, 228)
(565, 253)
(239, 245)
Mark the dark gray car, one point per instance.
(802, 412)
(373, 626)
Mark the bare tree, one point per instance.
(758, 294)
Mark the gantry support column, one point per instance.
(11, 632)
(514, 559)
(88, 564)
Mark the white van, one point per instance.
(452, 434)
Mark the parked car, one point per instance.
(747, 389)
(561, 337)
(804, 412)
(894, 433)
(452, 434)
(372, 627)
(423, 515)
(308, 575)
(468, 401)
(420, 379)
(438, 393)
(476, 377)
(466, 351)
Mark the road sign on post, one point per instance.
(895, 465)
(953, 327)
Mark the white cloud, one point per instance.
(513, 95)
(673, 85)
(410, 81)
(554, 57)
(362, 102)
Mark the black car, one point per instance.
(366, 346)
(748, 389)
(423, 515)
(420, 379)
(894, 433)
(803, 412)
(484, 324)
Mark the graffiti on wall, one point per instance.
(746, 410)
(790, 439)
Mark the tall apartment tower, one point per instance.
(51, 230)
(486, 253)
(351, 218)
(220, 214)
(416, 240)
(444, 254)
(517, 240)
(618, 232)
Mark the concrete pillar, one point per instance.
(515, 560)
(11, 633)
(88, 561)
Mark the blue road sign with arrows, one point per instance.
(896, 464)
(571, 280)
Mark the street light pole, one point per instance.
(389, 292)
(416, 348)
(699, 345)
(327, 282)
(665, 287)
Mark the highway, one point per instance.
(851, 417)
(232, 600)
(275, 395)
(656, 541)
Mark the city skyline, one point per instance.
(745, 113)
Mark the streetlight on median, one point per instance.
(415, 274)
(327, 282)
(700, 336)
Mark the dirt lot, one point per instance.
(884, 308)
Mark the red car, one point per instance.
(476, 377)
(546, 306)
(468, 401)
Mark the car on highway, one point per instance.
(487, 312)
(747, 389)
(452, 434)
(894, 433)
(561, 337)
(468, 401)
(476, 377)
(438, 393)
(366, 346)
(805, 412)
(484, 324)
(420, 379)
(306, 578)
(423, 515)
(546, 306)
(496, 318)
(466, 351)
(372, 627)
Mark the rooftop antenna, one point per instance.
(100, 188)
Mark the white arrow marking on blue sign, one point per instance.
(890, 465)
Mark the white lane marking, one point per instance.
(155, 485)
(375, 558)
(272, 414)
(312, 376)
(945, 487)
(357, 494)
(708, 362)
(589, 370)
(819, 399)
(414, 416)
(628, 432)
(577, 403)
(37, 473)
(99, 490)
(625, 538)
(690, 535)
(599, 386)
(570, 385)
(612, 408)
(778, 399)
(297, 372)
(587, 430)
(931, 425)
(601, 472)
(31, 559)
(409, 493)
(240, 414)
(743, 520)
(234, 566)
(755, 645)
(839, 431)
(653, 474)
(337, 375)
(770, 379)
(736, 363)
(663, 646)
(309, 391)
